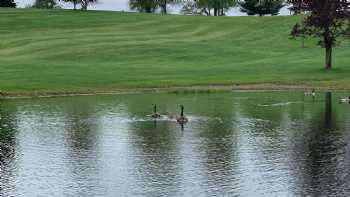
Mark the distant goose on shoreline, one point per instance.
(155, 113)
(182, 119)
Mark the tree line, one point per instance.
(189, 7)
(49, 4)
(210, 7)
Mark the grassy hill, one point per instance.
(74, 51)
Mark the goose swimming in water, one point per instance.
(345, 100)
(155, 113)
(182, 119)
(312, 93)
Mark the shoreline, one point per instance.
(263, 87)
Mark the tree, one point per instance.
(210, 7)
(190, 8)
(45, 4)
(327, 20)
(261, 7)
(7, 3)
(85, 3)
(164, 3)
(297, 7)
(148, 6)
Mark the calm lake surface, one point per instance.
(235, 144)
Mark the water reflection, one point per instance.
(7, 149)
(156, 159)
(236, 144)
(325, 148)
(82, 145)
(328, 111)
(218, 150)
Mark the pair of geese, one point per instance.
(312, 93)
(180, 119)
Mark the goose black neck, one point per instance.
(182, 111)
(155, 109)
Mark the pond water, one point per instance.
(235, 144)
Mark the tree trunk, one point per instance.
(328, 45)
(303, 41)
(205, 11)
(164, 10)
(328, 57)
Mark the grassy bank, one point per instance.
(74, 51)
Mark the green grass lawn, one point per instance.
(74, 51)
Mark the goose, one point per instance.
(345, 100)
(155, 113)
(312, 93)
(182, 119)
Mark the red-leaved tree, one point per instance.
(325, 19)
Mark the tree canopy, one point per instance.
(150, 6)
(261, 7)
(45, 4)
(214, 7)
(85, 3)
(147, 6)
(7, 3)
(164, 3)
(208, 7)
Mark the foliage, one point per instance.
(261, 7)
(45, 4)
(296, 7)
(190, 8)
(85, 3)
(7, 3)
(148, 6)
(326, 20)
(208, 7)
(163, 4)
(214, 7)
